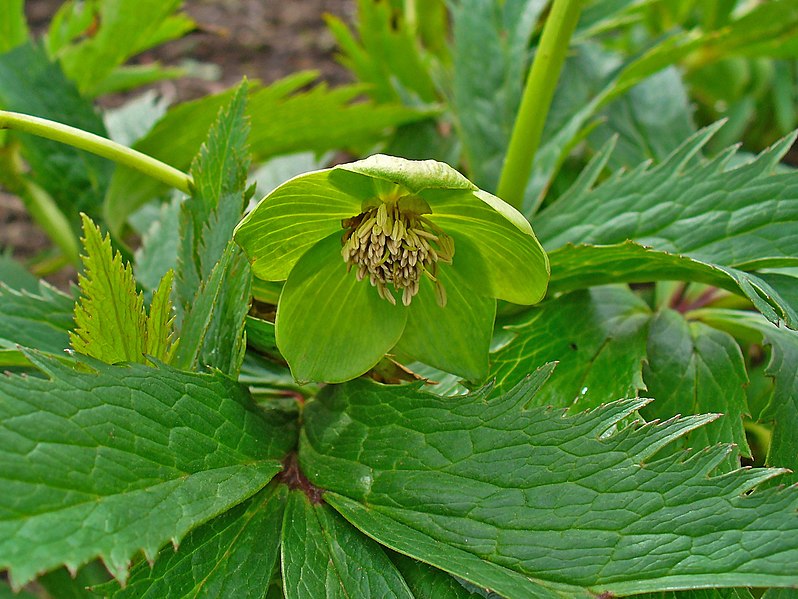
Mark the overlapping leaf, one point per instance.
(104, 461)
(597, 335)
(39, 320)
(233, 555)
(524, 500)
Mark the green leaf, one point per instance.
(38, 319)
(62, 584)
(111, 323)
(599, 338)
(13, 26)
(426, 582)
(14, 275)
(782, 409)
(283, 120)
(315, 328)
(742, 218)
(213, 275)
(387, 55)
(455, 338)
(581, 266)
(159, 245)
(108, 474)
(123, 30)
(233, 555)
(694, 369)
(31, 84)
(499, 493)
(323, 556)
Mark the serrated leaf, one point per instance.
(90, 474)
(742, 218)
(499, 494)
(283, 119)
(233, 555)
(580, 266)
(111, 323)
(323, 556)
(213, 274)
(597, 335)
(693, 369)
(122, 30)
(31, 84)
(782, 409)
(159, 245)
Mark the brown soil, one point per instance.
(259, 39)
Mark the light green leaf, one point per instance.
(743, 218)
(455, 338)
(123, 30)
(14, 275)
(110, 321)
(330, 326)
(599, 338)
(507, 496)
(13, 26)
(159, 245)
(160, 322)
(323, 556)
(233, 555)
(90, 474)
(782, 410)
(693, 369)
(128, 77)
(283, 120)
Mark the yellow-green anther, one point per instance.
(395, 246)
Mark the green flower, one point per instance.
(388, 255)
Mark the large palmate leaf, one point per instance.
(104, 461)
(597, 335)
(524, 500)
(233, 555)
(692, 368)
(323, 556)
(283, 120)
(733, 220)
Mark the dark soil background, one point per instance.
(259, 39)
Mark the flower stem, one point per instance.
(95, 144)
(536, 100)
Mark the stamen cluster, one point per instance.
(395, 246)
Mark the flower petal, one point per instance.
(455, 338)
(290, 220)
(497, 253)
(331, 327)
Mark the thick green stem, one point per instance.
(96, 145)
(535, 103)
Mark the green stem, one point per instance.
(535, 103)
(95, 144)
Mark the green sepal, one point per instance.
(323, 306)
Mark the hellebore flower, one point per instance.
(387, 255)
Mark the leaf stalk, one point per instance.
(536, 100)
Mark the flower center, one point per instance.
(396, 247)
